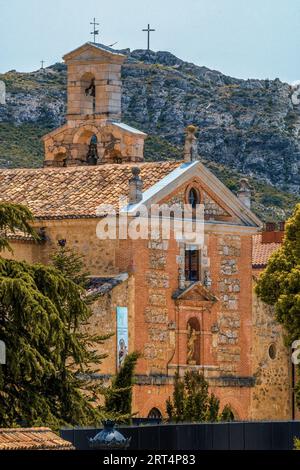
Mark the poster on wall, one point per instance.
(122, 335)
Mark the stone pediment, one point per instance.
(90, 51)
(196, 292)
(220, 203)
(212, 208)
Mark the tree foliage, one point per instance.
(47, 378)
(119, 396)
(192, 401)
(279, 284)
(13, 218)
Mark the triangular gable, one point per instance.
(195, 292)
(213, 187)
(90, 50)
(212, 207)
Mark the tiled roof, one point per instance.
(17, 235)
(32, 439)
(261, 252)
(102, 285)
(75, 192)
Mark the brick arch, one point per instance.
(237, 408)
(158, 402)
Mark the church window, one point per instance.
(192, 257)
(193, 198)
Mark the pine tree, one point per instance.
(119, 397)
(192, 401)
(70, 263)
(47, 376)
(279, 284)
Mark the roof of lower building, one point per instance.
(32, 439)
(261, 252)
(102, 285)
(75, 192)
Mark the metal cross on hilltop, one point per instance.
(96, 31)
(148, 30)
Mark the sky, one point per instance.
(241, 38)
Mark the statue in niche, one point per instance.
(192, 336)
(91, 89)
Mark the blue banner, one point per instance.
(122, 335)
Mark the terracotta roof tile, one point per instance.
(261, 252)
(75, 191)
(32, 439)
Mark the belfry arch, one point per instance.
(87, 94)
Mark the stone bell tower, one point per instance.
(94, 82)
(93, 133)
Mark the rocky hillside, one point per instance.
(245, 127)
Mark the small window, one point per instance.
(192, 265)
(272, 351)
(194, 199)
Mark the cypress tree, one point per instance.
(119, 397)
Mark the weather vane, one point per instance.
(96, 31)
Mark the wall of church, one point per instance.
(22, 251)
(104, 321)
(80, 234)
(272, 395)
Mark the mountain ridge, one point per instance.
(246, 127)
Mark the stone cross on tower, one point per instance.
(148, 30)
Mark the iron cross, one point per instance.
(148, 30)
(96, 31)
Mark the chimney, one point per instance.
(135, 186)
(244, 193)
(271, 234)
(191, 145)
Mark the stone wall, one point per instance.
(80, 234)
(271, 397)
(104, 321)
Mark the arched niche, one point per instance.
(154, 413)
(193, 341)
(87, 94)
(87, 142)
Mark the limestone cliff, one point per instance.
(245, 126)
